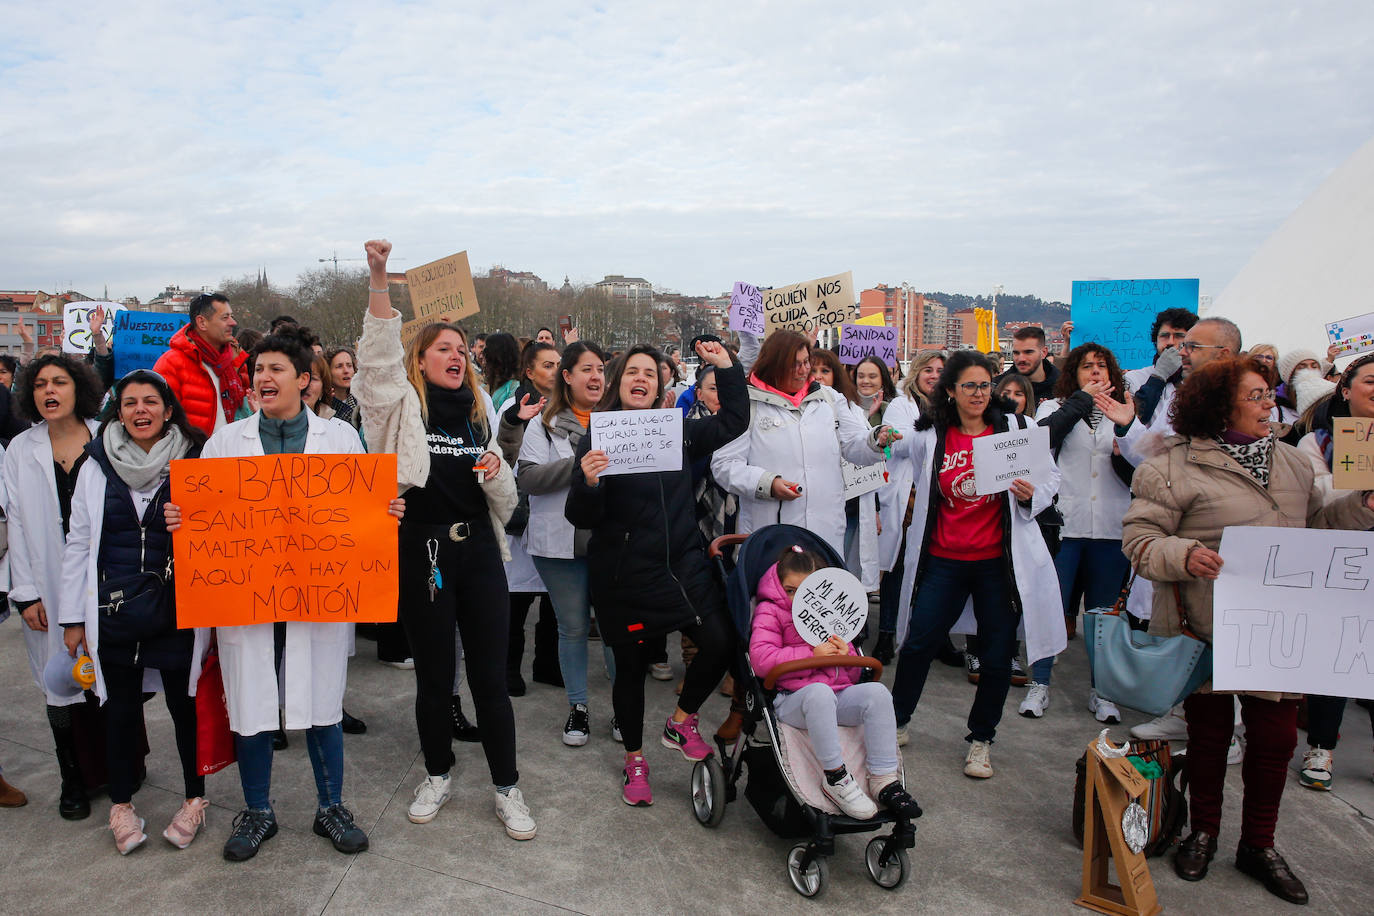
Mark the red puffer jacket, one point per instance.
(191, 382)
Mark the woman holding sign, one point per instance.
(425, 404)
(984, 547)
(647, 562)
(1226, 467)
(118, 535)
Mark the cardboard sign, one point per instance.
(1352, 453)
(639, 441)
(860, 341)
(1291, 612)
(442, 290)
(285, 537)
(1001, 458)
(829, 602)
(1118, 314)
(861, 480)
(823, 303)
(76, 324)
(1352, 336)
(746, 309)
(139, 338)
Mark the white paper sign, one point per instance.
(76, 324)
(829, 602)
(1352, 335)
(1292, 612)
(1001, 458)
(639, 441)
(861, 480)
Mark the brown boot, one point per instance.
(10, 797)
(729, 729)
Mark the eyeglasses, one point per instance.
(1191, 345)
(975, 387)
(802, 364)
(1263, 357)
(1260, 395)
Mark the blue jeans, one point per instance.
(940, 596)
(890, 596)
(1100, 567)
(570, 594)
(324, 743)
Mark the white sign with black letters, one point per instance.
(639, 441)
(829, 602)
(860, 480)
(1000, 458)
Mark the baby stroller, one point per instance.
(783, 783)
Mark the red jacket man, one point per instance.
(202, 367)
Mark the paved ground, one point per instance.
(1000, 846)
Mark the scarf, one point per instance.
(138, 469)
(221, 362)
(1251, 454)
(583, 416)
(795, 398)
(451, 409)
(283, 437)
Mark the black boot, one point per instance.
(463, 730)
(352, 725)
(883, 651)
(74, 805)
(279, 742)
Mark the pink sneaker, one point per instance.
(127, 828)
(683, 736)
(636, 791)
(186, 822)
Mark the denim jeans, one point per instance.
(890, 596)
(570, 593)
(324, 744)
(1100, 567)
(940, 596)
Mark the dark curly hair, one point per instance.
(944, 412)
(88, 389)
(1182, 319)
(1202, 405)
(169, 399)
(1068, 373)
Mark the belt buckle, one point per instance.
(459, 532)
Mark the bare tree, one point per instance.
(331, 303)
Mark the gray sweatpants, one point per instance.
(819, 709)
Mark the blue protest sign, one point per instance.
(141, 337)
(1118, 313)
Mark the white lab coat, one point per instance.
(315, 665)
(36, 543)
(1094, 500)
(863, 561)
(81, 578)
(1042, 612)
(801, 444)
(901, 415)
(521, 576)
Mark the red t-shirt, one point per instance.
(968, 527)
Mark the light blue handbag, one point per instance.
(1149, 673)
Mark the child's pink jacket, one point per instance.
(775, 640)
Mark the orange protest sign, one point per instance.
(285, 537)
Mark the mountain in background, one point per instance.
(1010, 307)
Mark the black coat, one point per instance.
(646, 558)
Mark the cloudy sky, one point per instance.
(954, 145)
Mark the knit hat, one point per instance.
(1290, 359)
(1308, 388)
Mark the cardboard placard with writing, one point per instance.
(1118, 314)
(1352, 453)
(76, 323)
(442, 290)
(639, 441)
(746, 309)
(1291, 612)
(285, 537)
(829, 602)
(860, 341)
(139, 338)
(823, 303)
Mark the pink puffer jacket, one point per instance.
(775, 640)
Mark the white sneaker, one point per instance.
(615, 731)
(1036, 702)
(404, 665)
(1316, 769)
(850, 799)
(1236, 752)
(903, 735)
(515, 814)
(578, 727)
(661, 671)
(978, 763)
(430, 796)
(1172, 726)
(1103, 710)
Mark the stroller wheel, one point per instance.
(708, 792)
(892, 875)
(808, 881)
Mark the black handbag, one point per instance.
(136, 608)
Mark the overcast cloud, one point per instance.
(955, 145)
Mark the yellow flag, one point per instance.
(876, 320)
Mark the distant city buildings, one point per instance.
(921, 323)
(523, 278)
(632, 290)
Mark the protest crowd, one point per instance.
(517, 496)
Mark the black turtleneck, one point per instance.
(452, 493)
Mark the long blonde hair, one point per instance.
(923, 359)
(424, 339)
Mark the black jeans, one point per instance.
(545, 633)
(124, 727)
(474, 599)
(940, 596)
(715, 641)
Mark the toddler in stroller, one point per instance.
(819, 700)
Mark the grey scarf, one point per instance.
(1255, 457)
(139, 469)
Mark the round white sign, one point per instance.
(829, 602)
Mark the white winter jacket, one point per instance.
(550, 532)
(1092, 498)
(901, 415)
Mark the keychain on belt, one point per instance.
(436, 579)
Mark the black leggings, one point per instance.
(715, 643)
(124, 727)
(474, 599)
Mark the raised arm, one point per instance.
(378, 293)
